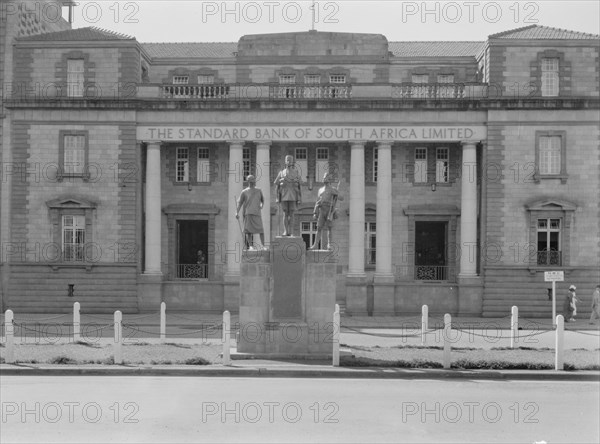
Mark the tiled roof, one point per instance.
(543, 33)
(435, 49)
(191, 50)
(79, 34)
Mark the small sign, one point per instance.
(556, 276)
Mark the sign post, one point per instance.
(554, 276)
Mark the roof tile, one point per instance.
(536, 32)
(86, 34)
(436, 49)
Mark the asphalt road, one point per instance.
(192, 409)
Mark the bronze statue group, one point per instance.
(288, 192)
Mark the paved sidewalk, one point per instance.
(299, 369)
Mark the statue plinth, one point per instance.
(287, 301)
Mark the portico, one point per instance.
(386, 277)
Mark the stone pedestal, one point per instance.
(287, 299)
(470, 296)
(384, 295)
(149, 291)
(356, 295)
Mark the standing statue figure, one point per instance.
(325, 212)
(288, 193)
(252, 200)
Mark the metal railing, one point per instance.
(427, 272)
(549, 258)
(192, 271)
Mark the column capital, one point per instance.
(236, 142)
(384, 143)
(152, 142)
(263, 142)
(357, 143)
(466, 143)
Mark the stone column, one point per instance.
(356, 282)
(384, 210)
(149, 289)
(468, 212)
(356, 259)
(384, 286)
(263, 170)
(153, 210)
(235, 185)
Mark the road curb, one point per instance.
(293, 372)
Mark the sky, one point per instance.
(227, 21)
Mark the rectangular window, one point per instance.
(549, 154)
(308, 231)
(445, 78)
(301, 162)
(337, 78)
(183, 165)
(420, 92)
(548, 242)
(74, 154)
(420, 78)
(203, 172)
(445, 92)
(441, 165)
(371, 242)
(312, 90)
(420, 165)
(75, 71)
(375, 164)
(246, 160)
(73, 237)
(549, 77)
(181, 80)
(287, 92)
(322, 164)
(206, 79)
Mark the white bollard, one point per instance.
(226, 337)
(118, 347)
(336, 336)
(559, 343)
(76, 323)
(424, 323)
(447, 345)
(163, 321)
(514, 326)
(9, 332)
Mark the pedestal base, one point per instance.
(149, 292)
(287, 300)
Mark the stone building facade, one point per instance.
(467, 168)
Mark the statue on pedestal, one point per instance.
(288, 193)
(252, 200)
(325, 212)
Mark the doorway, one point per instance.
(192, 249)
(430, 250)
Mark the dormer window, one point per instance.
(286, 79)
(181, 80)
(206, 79)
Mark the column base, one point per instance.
(384, 295)
(150, 291)
(470, 295)
(356, 295)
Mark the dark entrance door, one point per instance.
(192, 238)
(430, 250)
